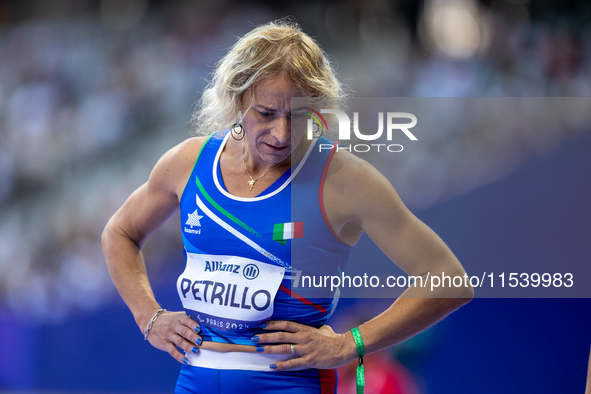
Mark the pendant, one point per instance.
(251, 183)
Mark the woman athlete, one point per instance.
(246, 326)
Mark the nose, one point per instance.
(282, 129)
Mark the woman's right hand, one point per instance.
(173, 331)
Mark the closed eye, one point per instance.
(264, 113)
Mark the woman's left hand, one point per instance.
(320, 348)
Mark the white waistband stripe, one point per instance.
(235, 360)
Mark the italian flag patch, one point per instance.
(285, 231)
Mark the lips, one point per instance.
(278, 148)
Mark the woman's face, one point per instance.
(268, 121)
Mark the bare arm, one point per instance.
(377, 209)
(358, 198)
(144, 211)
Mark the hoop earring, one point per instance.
(318, 128)
(240, 133)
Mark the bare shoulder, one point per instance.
(360, 199)
(356, 180)
(355, 192)
(346, 168)
(174, 168)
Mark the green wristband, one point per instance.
(360, 354)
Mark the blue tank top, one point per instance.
(246, 257)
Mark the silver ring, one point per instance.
(292, 348)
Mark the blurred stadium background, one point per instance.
(92, 93)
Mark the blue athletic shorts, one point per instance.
(197, 380)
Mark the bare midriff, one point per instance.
(227, 347)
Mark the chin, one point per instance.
(274, 153)
(276, 159)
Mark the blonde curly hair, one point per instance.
(279, 47)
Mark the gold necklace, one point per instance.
(252, 180)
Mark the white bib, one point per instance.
(228, 292)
